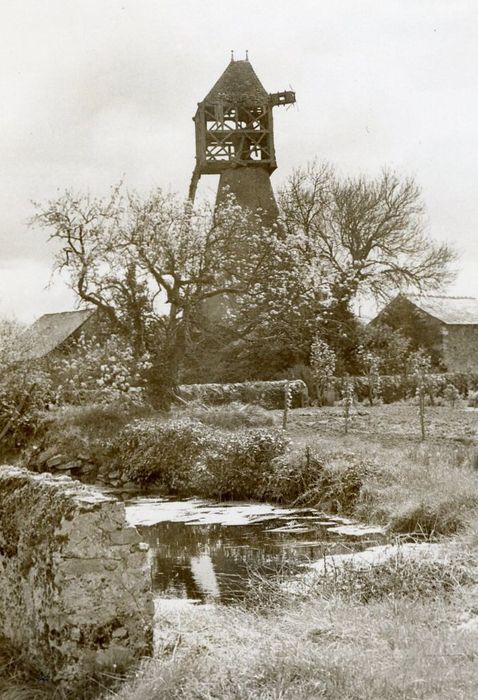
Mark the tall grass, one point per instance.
(232, 416)
(338, 649)
(20, 679)
(427, 489)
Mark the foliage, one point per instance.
(421, 369)
(400, 386)
(186, 456)
(322, 364)
(165, 452)
(318, 478)
(287, 404)
(388, 345)
(347, 401)
(99, 371)
(451, 394)
(239, 464)
(368, 231)
(124, 252)
(10, 333)
(370, 363)
(24, 394)
(24, 391)
(473, 399)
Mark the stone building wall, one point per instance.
(75, 586)
(460, 348)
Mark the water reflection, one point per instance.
(198, 555)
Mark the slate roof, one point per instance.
(49, 332)
(238, 83)
(449, 310)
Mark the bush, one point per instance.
(451, 394)
(24, 394)
(239, 464)
(433, 517)
(163, 452)
(184, 456)
(99, 371)
(473, 399)
(332, 482)
(266, 394)
(231, 416)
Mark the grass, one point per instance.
(389, 648)
(375, 473)
(232, 416)
(388, 632)
(20, 679)
(426, 488)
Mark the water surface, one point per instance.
(202, 551)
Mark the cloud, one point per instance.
(94, 91)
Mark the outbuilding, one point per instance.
(446, 327)
(52, 332)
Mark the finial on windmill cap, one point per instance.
(247, 55)
(232, 56)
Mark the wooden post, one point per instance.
(287, 401)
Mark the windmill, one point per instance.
(235, 138)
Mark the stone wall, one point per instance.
(75, 585)
(460, 348)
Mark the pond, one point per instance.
(203, 552)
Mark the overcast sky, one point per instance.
(96, 90)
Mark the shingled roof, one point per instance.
(449, 310)
(238, 83)
(49, 332)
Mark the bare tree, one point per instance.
(369, 232)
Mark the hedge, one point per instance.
(266, 394)
(398, 387)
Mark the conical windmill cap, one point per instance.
(238, 83)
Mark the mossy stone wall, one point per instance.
(75, 587)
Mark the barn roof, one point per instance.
(50, 331)
(238, 83)
(449, 310)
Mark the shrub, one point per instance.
(399, 387)
(390, 346)
(24, 394)
(370, 363)
(322, 362)
(239, 464)
(429, 518)
(451, 394)
(473, 399)
(188, 457)
(330, 481)
(165, 452)
(99, 371)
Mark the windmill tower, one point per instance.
(235, 138)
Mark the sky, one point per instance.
(95, 91)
